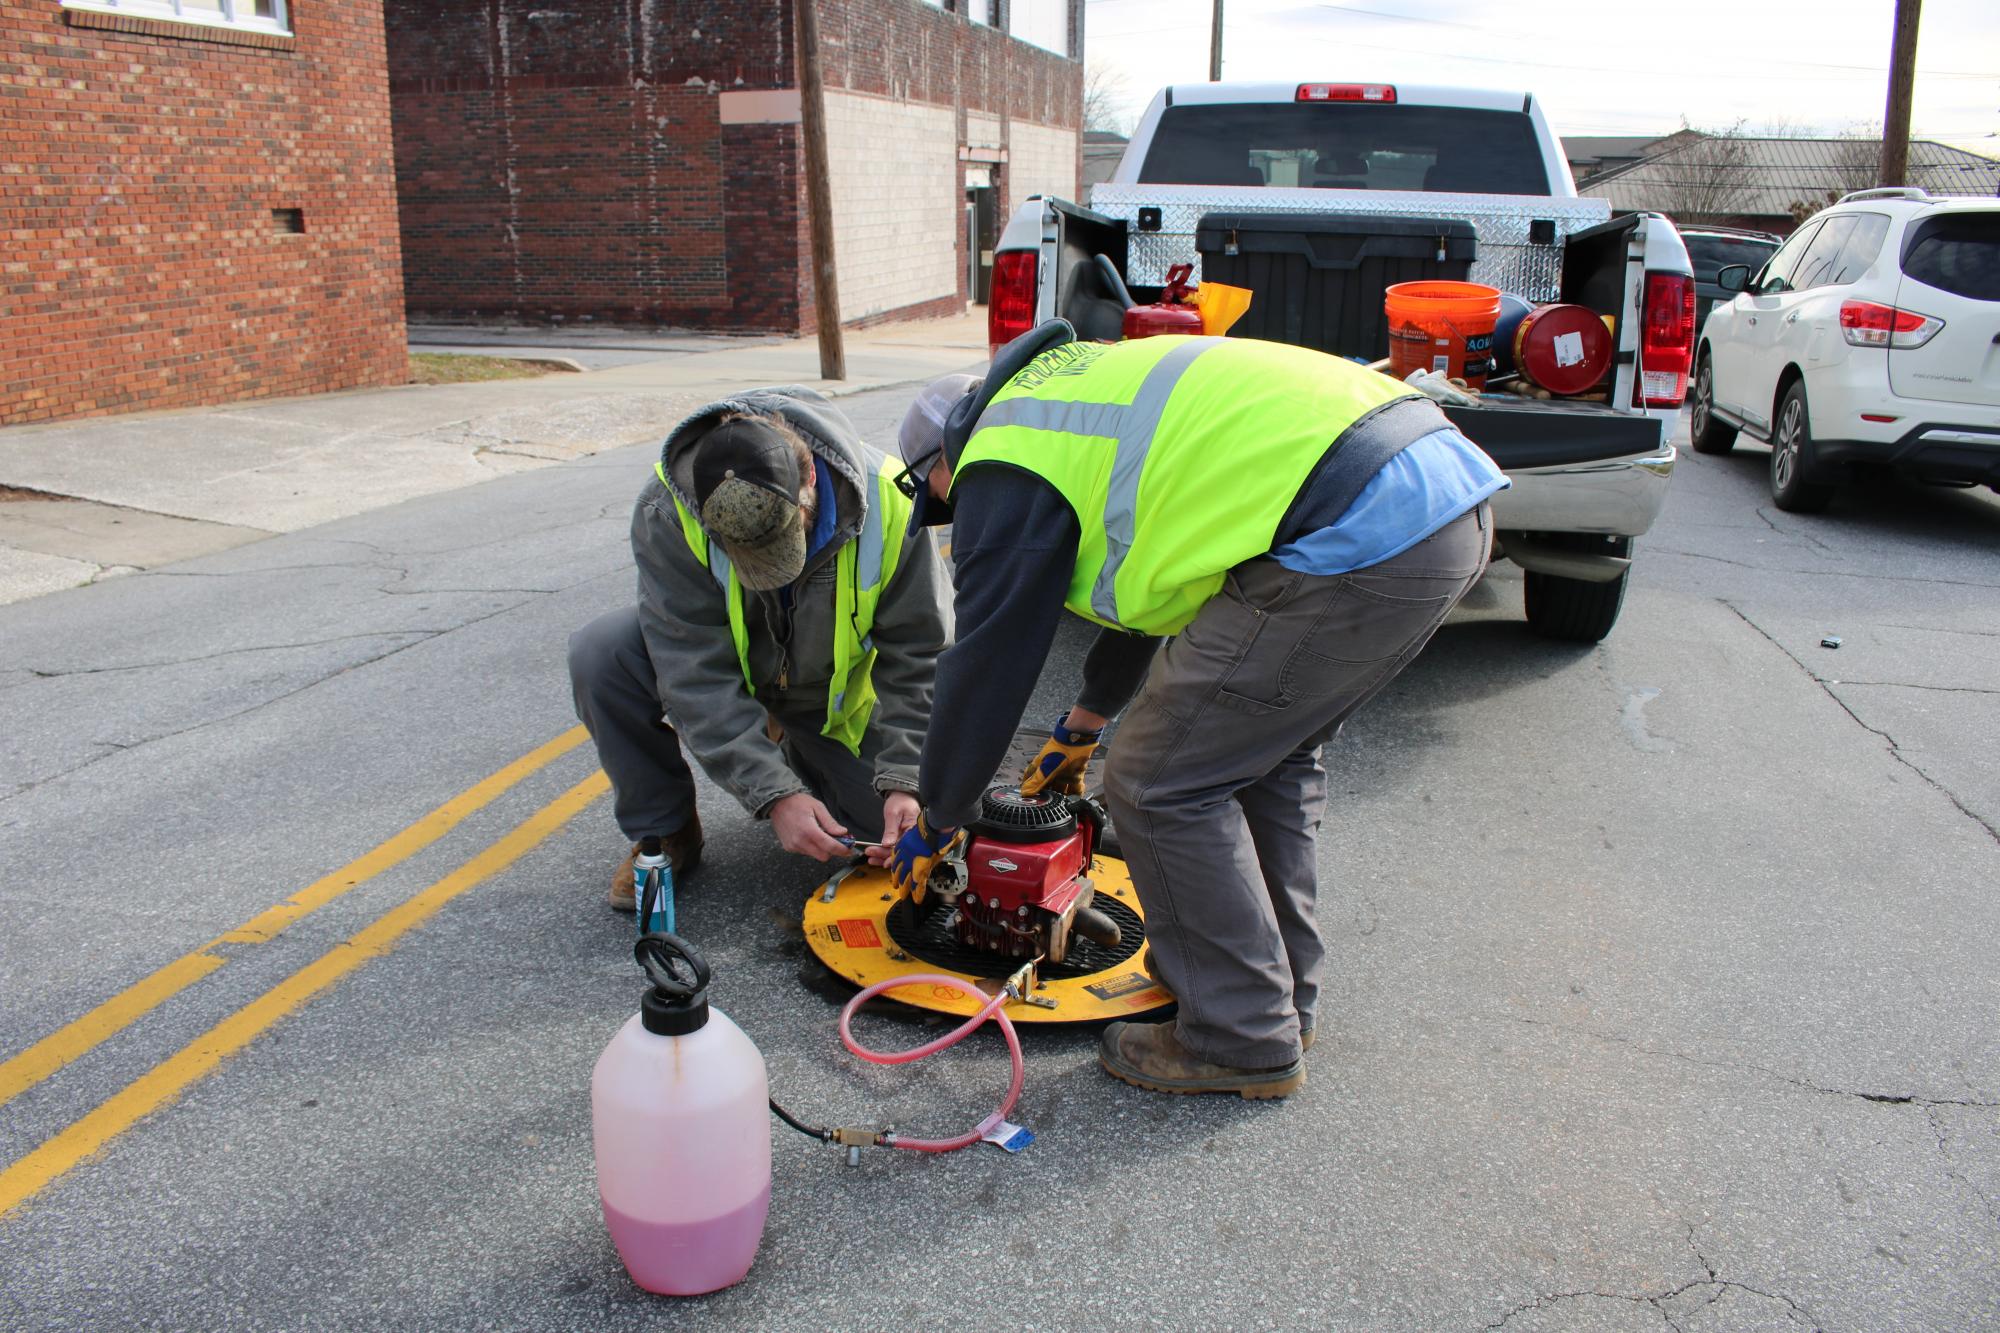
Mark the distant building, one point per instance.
(1591, 155)
(198, 201)
(642, 162)
(1101, 151)
(1774, 184)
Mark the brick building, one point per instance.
(641, 160)
(197, 201)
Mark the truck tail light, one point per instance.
(1346, 92)
(1871, 324)
(1666, 340)
(1010, 305)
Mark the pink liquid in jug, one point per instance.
(689, 1258)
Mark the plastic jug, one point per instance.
(682, 1133)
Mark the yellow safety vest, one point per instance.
(862, 569)
(1179, 455)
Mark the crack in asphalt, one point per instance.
(232, 652)
(1895, 750)
(1617, 1039)
(1794, 1312)
(1801, 534)
(118, 747)
(1911, 685)
(1990, 1204)
(1817, 573)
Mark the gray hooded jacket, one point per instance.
(684, 617)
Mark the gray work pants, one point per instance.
(1216, 786)
(652, 787)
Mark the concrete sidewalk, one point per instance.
(85, 500)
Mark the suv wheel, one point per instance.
(1708, 435)
(1792, 461)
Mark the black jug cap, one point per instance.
(677, 1003)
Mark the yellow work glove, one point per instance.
(1059, 767)
(917, 854)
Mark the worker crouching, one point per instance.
(1300, 527)
(788, 625)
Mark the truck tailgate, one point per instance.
(1575, 466)
(1531, 432)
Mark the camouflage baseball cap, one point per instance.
(747, 483)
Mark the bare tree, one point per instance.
(1104, 96)
(1855, 164)
(1707, 179)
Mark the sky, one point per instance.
(1615, 67)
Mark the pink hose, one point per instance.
(994, 1009)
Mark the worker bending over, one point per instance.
(789, 622)
(1300, 526)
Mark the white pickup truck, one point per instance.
(1320, 196)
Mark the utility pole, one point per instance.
(1895, 169)
(1215, 46)
(819, 194)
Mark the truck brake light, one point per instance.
(1010, 306)
(1666, 340)
(1871, 324)
(1346, 92)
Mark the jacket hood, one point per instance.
(827, 432)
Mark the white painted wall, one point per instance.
(1039, 161)
(897, 204)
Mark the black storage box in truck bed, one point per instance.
(1317, 281)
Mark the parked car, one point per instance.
(1871, 336)
(1712, 249)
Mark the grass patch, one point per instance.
(456, 368)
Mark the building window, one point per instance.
(978, 11)
(255, 15)
(1043, 23)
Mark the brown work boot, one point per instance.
(683, 851)
(1150, 1056)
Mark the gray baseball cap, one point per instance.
(921, 438)
(747, 485)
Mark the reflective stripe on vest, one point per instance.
(1179, 456)
(863, 567)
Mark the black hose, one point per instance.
(823, 1135)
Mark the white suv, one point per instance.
(1871, 336)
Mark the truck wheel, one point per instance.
(1792, 458)
(1708, 435)
(1576, 610)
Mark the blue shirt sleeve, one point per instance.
(1427, 485)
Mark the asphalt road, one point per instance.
(1662, 987)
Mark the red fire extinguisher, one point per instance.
(1174, 313)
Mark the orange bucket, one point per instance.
(1442, 326)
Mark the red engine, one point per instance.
(1025, 889)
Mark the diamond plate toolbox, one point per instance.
(1507, 258)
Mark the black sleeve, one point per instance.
(1115, 670)
(1013, 549)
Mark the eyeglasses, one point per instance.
(909, 481)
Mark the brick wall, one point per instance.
(579, 163)
(1040, 160)
(636, 160)
(142, 266)
(895, 202)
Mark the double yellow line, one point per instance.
(168, 1079)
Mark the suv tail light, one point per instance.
(1666, 340)
(1346, 92)
(1010, 304)
(1872, 324)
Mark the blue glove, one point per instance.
(918, 852)
(1060, 765)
